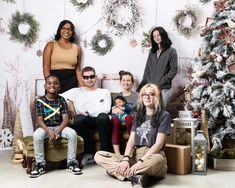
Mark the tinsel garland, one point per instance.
(80, 6)
(26, 18)
(96, 46)
(111, 9)
(179, 19)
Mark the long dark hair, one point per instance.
(62, 23)
(166, 41)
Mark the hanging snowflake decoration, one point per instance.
(81, 5)
(122, 16)
(5, 138)
(23, 28)
(133, 43)
(186, 22)
(101, 43)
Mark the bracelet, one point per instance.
(124, 160)
(126, 156)
(141, 160)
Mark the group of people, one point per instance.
(73, 92)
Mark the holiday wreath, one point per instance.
(10, 1)
(30, 34)
(101, 43)
(185, 22)
(112, 8)
(205, 1)
(81, 4)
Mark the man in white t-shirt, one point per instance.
(90, 107)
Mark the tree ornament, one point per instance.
(120, 23)
(101, 43)
(186, 22)
(230, 23)
(81, 5)
(23, 28)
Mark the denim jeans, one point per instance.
(38, 142)
(166, 94)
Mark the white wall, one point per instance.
(50, 12)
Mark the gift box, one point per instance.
(178, 158)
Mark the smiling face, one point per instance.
(89, 79)
(52, 85)
(126, 82)
(66, 31)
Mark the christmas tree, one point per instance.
(213, 79)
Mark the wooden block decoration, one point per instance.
(178, 159)
(17, 159)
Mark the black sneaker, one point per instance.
(73, 168)
(139, 179)
(37, 171)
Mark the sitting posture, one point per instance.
(126, 82)
(144, 154)
(52, 120)
(120, 103)
(90, 107)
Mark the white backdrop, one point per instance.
(19, 65)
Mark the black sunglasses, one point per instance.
(87, 77)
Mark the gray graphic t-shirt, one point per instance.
(146, 134)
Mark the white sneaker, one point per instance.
(88, 159)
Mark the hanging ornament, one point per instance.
(133, 43)
(5, 138)
(85, 43)
(220, 5)
(226, 36)
(39, 52)
(23, 28)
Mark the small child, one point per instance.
(120, 102)
(52, 120)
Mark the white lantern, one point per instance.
(199, 154)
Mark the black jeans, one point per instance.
(85, 125)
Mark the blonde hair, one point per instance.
(157, 101)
